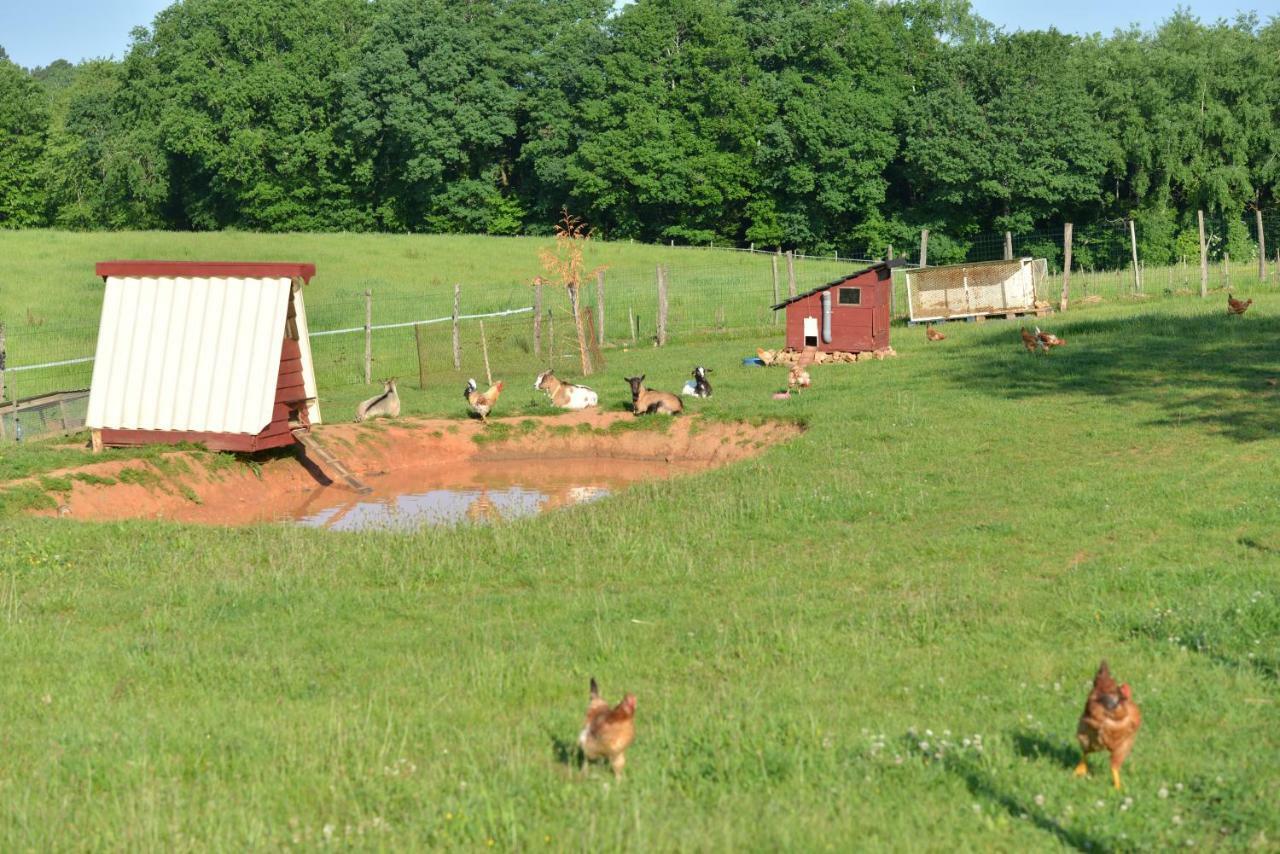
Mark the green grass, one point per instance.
(50, 298)
(878, 635)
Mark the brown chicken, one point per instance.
(1235, 306)
(1031, 342)
(482, 403)
(933, 334)
(1110, 722)
(1049, 340)
(608, 732)
(798, 374)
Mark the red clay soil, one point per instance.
(406, 454)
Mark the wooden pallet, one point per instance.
(982, 318)
(303, 435)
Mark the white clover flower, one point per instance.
(1039, 800)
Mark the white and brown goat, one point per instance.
(385, 405)
(646, 401)
(565, 395)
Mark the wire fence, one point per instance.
(709, 292)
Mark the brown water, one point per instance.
(484, 492)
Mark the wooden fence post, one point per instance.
(924, 247)
(774, 259)
(600, 307)
(1008, 246)
(2, 363)
(420, 338)
(1066, 265)
(457, 336)
(662, 307)
(791, 273)
(1226, 270)
(484, 347)
(537, 317)
(1204, 258)
(551, 336)
(890, 253)
(631, 324)
(368, 336)
(1133, 248)
(1262, 247)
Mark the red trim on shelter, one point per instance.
(206, 270)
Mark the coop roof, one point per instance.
(206, 269)
(189, 346)
(883, 265)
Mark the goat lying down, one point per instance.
(385, 405)
(699, 386)
(565, 395)
(645, 401)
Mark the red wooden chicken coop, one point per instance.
(849, 315)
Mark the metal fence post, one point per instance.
(457, 339)
(600, 307)
(1204, 258)
(1133, 247)
(1066, 266)
(774, 258)
(1262, 246)
(537, 317)
(662, 306)
(368, 336)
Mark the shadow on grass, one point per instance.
(1207, 369)
(565, 751)
(982, 784)
(1033, 745)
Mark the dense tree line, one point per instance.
(845, 124)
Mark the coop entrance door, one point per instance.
(811, 332)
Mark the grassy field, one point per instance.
(50, 299)
(877, 636)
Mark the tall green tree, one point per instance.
(24, 117)
(1004, 134)
(671, 138)
(247, 92)
(830, 79)
(433, 110)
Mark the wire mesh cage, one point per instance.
(979, 289)
(45, 415)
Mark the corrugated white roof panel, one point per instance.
(188, 353)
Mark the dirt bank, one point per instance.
(409, 454)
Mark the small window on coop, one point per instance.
(850, 296)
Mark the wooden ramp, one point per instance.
(331, 462)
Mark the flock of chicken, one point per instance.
(1044, 342)
(1111, 717)
(1110, 723)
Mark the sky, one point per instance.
(37, 33)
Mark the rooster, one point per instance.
(1049, 340)
(1235, 306)
(933, 334)
(481, 404)
(1031, 342)
(607, 732)
(1110, 722)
